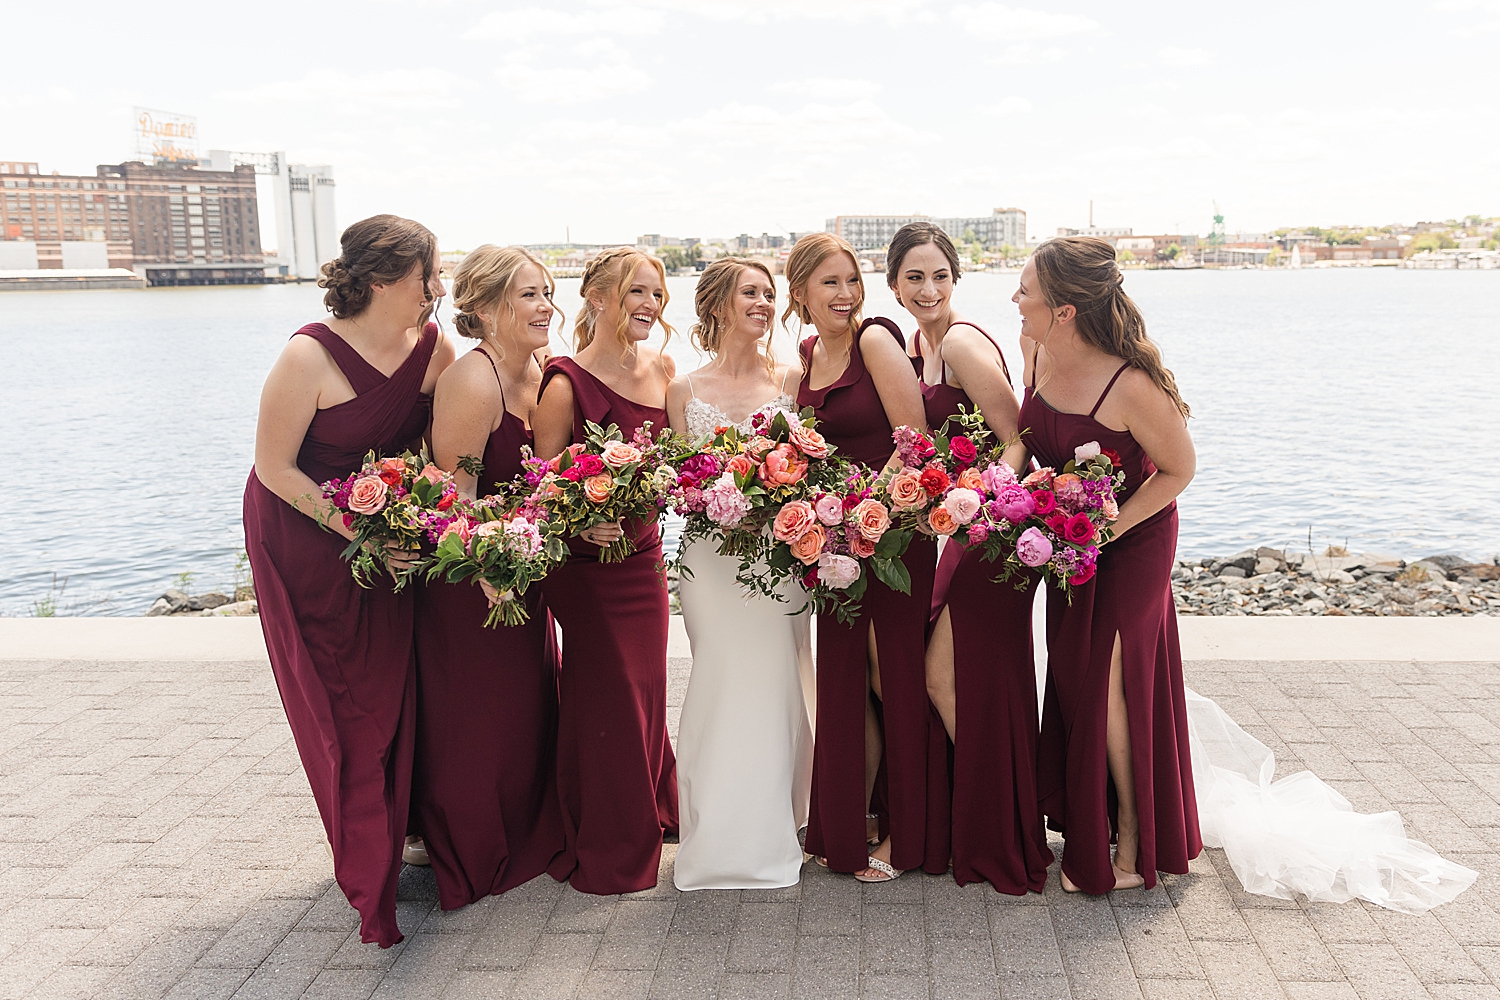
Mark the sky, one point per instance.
(601, 120)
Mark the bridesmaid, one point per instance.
(1114, 747)
(616, 772)
(342, 654)
(484, 793)
(859, 383)
(980, 672)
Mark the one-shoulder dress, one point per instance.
(616, 773)
(915, 810)
(484, 791)
(342, 654)
(998, 832)
(1131, 595)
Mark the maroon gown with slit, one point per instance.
(1131, 595)
(998, 832)
(342, 654)
(484, 787)
(616, 773)
(915, 812)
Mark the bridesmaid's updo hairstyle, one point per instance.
(713, 304)
(380, 250)
(609, 276)
(483, 280)
(1081, 271)
(911, 236)
(807, 253)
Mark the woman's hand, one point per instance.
(399, 560)
(603, 535)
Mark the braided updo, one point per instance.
(380, 250)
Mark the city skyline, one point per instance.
(601, 120)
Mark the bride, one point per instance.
(744, 744)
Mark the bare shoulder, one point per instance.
(470, 374)
(679, 391)
(876, 341)
(789, 375)
(1143, 397)
(445, 352)
(967, 341)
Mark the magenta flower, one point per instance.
(1033, 548)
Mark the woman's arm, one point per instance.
(1161, 430)
(895, 381)
(978, 370)
(678, 394)
(467, 406)
(288, 402)
(552, 422)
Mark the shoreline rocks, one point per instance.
(176, 604)
(1267, 581)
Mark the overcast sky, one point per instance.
(518, 122)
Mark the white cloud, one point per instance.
(1172, 55)
(996, 20)
(827, 88)
(395, 89)
(1006, 108)
(764, 11)
(588, 80)
(531, 25)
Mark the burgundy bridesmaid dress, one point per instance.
(1131, 596)
(342, 655)
(616, 773)
(998, 832)
(484, 790)
(915, 811)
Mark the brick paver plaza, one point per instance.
(159, 840)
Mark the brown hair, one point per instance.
(911, 236)
(1081, 271)
(807, 253)
(610, 274)
(716, 287)
(484, 279)
(380, 250)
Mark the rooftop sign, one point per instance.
(163, 136)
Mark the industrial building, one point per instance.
(1003, 226)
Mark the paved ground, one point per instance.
(157, 838)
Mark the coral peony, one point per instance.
(809, 441)
(807, 548)
(830, 509)
(971, 479)
(1033, 548)
(1079, 529)
(871, 519)
(367, 495)
(940, 521)
(963, 450)
(793, 520)
(618, 454)
(838, 572)
(1014, 503)
(783, 466)
(1045, 501)
(934, 480)
(962, 504)
(742, 465)
(1084, 452)
(597, 488)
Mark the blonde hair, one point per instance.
(807, 253)
(610, 275)
(716, 287)
(1081, 271)
(484, 279)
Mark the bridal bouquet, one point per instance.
(605, 479)
(503, 548)
(940, 489)
(1054, 522)
(396, 500)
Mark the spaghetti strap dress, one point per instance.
(616, 773)
(484, 791)
(1130, 596)
(342, 654)
(915, 809)
(999, 835)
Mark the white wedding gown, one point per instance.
(745, 741)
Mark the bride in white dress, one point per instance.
(745, 742)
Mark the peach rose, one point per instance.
(807, 548)
(618, 454)
(861, 547)
(549, 486)
(1064, 481)
(742, 465)
(940, 521)
(1109, 507)
(489, 528)
(793, 520)
(905, 490)
(367, 495)
(458, 526)
(871, 518)
(810, 441)
(597, 488)
(783, 466)
(432, 473)
(757, 447)
(971, 479)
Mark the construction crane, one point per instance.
(1216, 235)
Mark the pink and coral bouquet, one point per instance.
(502, 548)
(390, 503)
(606, 479)
(940, 488)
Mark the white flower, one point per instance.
(664, 478)
(1084, 452)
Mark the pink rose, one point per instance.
(1033, 548)
(1045, 502)
(432, 473)
(1084, 574)
(830, 509)
(1014, 503)
(905, 490)
(837, 572)
(458, 526)
(1084, 452)
(783, 466)
(871, 518)
(807, 548)
(963, 450)
(978, 533)
(488, 528)
(1109, 507)
(367, 495)
(809, 441)
(588, 465)
(1040, 478)
(940, 521)
(741, 465)
(860, 546)
(963, 504)
(793, 521)
(597, 488)
(618, 454)
(757, 447)
(1079, 530)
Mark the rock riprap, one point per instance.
(180, 605)
(1267, 581)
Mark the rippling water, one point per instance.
(1337, 401)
